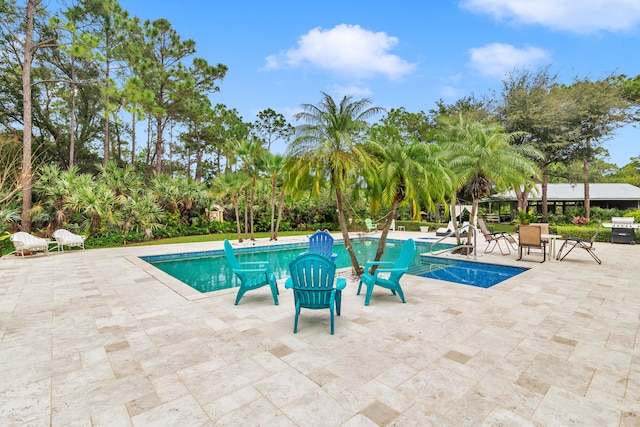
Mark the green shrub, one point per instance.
(585, 232)
(635, 214)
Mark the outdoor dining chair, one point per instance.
(530, 237)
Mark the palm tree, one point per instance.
(488, 158)
(53, 188)
(410, 171)
(141, 212)
(251, 153)
(98, 202)
(295, 179)
(231, 184)
(8, 215)
(273, 165)
(180, 196)
(328, 143)
(123, 180)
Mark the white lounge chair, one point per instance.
(66, 238)
(443, 231)
(26, 242)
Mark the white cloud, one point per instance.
(355, 91)
(451, 92)
(347, 50)
(578, 16)
(497, 59)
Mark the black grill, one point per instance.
(622, 235)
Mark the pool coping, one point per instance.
(177, 286)
(191, 294)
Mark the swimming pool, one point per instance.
(473, 273)
(208, 271)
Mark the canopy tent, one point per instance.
(460, 210)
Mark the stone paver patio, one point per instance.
(92, 338)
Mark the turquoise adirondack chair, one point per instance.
(312, 281)
(394, 270)
(252, 275)
(321, 242)
(370, 225)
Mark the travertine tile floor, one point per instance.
(91, 338)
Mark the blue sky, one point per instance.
(282, 54)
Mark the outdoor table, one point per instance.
(552, 243)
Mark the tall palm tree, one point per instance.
(328, 141)
(410, 171)
(274, 165)
(231, 184)
(251, 153)
(488, 158)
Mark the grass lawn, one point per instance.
(213, 238)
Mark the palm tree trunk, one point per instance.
(253, 195)
(385, 232)
(237, 209)
(345, 233)
(544, 186)
(274, 187)
(246, 213)
(280, 207)
(454, 218)
(587, 197)
(523, 199)
(473, 220)
(95, 223)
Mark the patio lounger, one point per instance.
(495, 238)
(443, 231)
(576, 242)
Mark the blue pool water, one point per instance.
(473, 273)
(208, 271)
